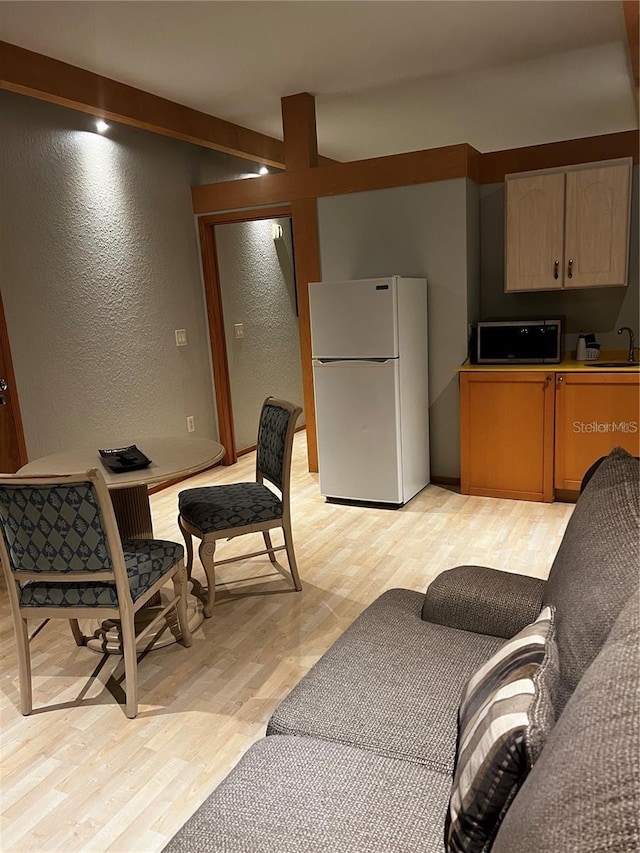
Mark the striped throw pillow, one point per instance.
(505, 716)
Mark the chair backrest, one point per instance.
(275, 441)
(60, 528)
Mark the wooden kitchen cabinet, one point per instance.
(594, 414)
(506, 433)
(534, 243)
(568, 228)
(525, 434)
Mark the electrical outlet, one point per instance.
(181, 337)
(239, 330)
(191, 424)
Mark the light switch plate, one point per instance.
(191, 424)
(181, 337)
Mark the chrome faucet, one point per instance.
(632, 341)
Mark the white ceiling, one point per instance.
(388, 76)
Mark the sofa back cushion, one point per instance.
(583, 793)
(596, 567)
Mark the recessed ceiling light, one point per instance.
(101, 126)
(263, 170)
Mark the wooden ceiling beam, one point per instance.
(496, 164)
(301, 153)
(631, 9)
(299, 129)
(416, 167)
(47, 79)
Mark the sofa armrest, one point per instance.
(483, 600)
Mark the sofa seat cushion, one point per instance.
(596, 567)
(301, 795)
(391, 683)
(583, 793)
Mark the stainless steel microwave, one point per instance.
(519, 342)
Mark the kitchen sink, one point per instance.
(612, 363)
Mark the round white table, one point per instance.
(171, 459)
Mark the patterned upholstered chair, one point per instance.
(223, 512)
(63, 558)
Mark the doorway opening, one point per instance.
(250, 287)
(13, 450)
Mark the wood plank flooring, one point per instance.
(78, 775)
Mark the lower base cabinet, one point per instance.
(506, 434)
(594, 414)
(527, 433)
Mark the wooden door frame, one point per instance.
(215, 315)
(14, 403)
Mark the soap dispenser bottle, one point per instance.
(581, 348)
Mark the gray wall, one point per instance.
(421, 230)
(100, 265)
(601, 310)
(258, 290)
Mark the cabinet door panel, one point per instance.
(597, 230)
(594, 414)
(507, 435)
(534, 232)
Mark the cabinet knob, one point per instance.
(560, 380)
(556, 264)
(570, 268)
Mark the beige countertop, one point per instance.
(568, 364)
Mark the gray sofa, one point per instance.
(359, 757)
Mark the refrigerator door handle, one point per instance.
(353, 360)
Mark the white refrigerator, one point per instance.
(369, 347)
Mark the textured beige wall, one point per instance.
(100, 265)
(258, 291)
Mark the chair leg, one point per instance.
(267, 542)
(24, 665)
(188, 541)
(293, 567)
(206, 553)
(78, 636)
(128, 634)
(180, 586)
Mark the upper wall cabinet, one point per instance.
(568, 228)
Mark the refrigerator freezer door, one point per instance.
(358, 432)
(354, 319)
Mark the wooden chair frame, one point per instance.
(124, 612)
(207, 548)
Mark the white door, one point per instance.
(358, 431)
(354, 319)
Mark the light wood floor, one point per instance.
(78, 775)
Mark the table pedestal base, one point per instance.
(106, 638)
(133, 512)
